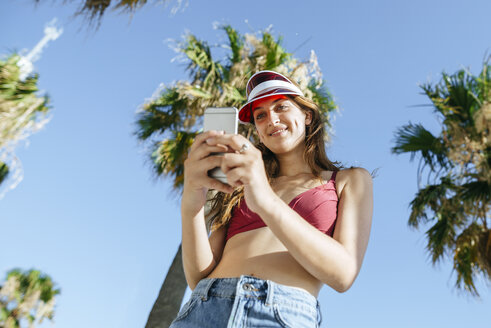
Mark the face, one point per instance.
(280, 123)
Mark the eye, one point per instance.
(259, 116)
(282, 107)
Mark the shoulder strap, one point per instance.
(333, 176)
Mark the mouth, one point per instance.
(277, 132)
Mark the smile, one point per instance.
(277, 132)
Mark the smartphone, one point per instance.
(220, 119)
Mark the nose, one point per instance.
(273, 118)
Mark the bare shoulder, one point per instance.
(356, 179)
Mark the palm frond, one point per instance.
(169, 155)
(198, 92)
(432, 197)
(485, 251)
(275, 54)
(162, 114)
(236, 43)
(466, 257)
(457, 97)
(233, 95)
(27, 294)
(483, 89)
(322, 97)
(414, 139)
(476, 191)
(94, 10)
(199, 55)
(130, 5)
(22, 112)
(4, 171)
(460, 93)
(441, 236)
(201, 64)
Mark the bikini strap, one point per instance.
(333, 176)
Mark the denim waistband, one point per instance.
(248, 286)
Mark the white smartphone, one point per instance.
(220, 119)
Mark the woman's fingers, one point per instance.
(201, 138)
(240, 169)
(196, 170)
(212, 183)
(237, 177)
(209, 163)
(233, 141)
(232, 160)
(205, 151)
(201, 149)
(235, 160)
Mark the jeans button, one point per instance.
(247, 287)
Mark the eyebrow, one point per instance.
(274, 102)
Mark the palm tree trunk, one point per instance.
(170, 297)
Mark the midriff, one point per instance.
(260, 254)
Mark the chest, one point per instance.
(287, 191)
(313, 199)
(317, 205)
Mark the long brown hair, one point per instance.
(222, 204)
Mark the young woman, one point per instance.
(288, 221)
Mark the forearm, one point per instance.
(321, 255)
(197, 255)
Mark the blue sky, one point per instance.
(90, 213)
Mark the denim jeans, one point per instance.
(247, 302)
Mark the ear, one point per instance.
(308, 117)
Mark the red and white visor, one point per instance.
(265, 84)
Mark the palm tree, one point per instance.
(456, 199)
(26, 295)
(172, 118)
(93, 10)
(4, 171)
(22, 112)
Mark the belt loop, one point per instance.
(207, 287)
(270, 293)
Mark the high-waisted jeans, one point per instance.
(247, 302)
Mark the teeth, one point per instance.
(276, 132)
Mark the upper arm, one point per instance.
(217, 242)
(355, 210)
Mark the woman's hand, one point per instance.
(196, 167)
(243, 165)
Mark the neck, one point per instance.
(292, 164)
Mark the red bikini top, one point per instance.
(317, 205)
